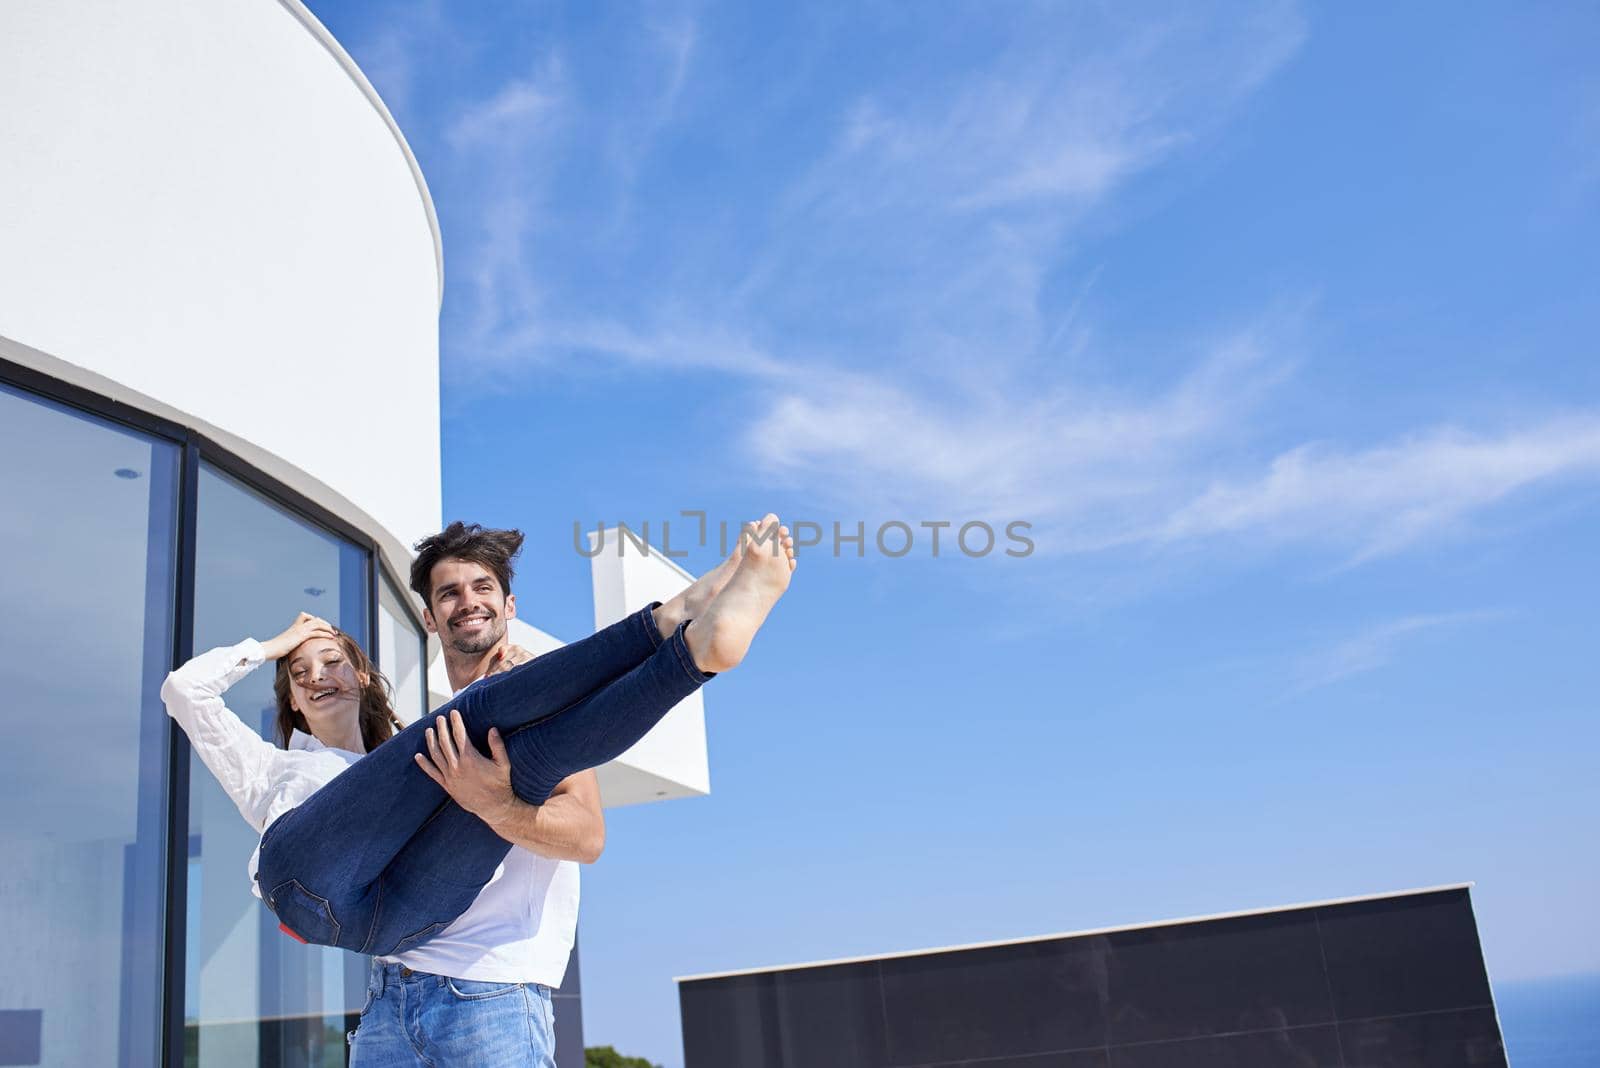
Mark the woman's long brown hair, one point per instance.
(378, 721)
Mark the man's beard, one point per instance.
(480, 642)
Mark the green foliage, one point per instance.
(606, 1057)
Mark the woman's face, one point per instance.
(324, 686)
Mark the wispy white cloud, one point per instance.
(1063, 115)
(677, 38)
(1096, 464)
(1375, 647)
(932, 219)
(952, 192)
(683, 345)
(395, 51)
(507, 148)
(1383, 499)
(500, 144)
(671, 39)
(1098, 470)
(1004, 140)
(952, 198)
(507, 120)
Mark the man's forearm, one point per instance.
(570, 825)
(562, 828)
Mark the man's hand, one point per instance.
(479, 784)
(509, 657)
(568, 826)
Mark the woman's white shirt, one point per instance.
(521, 927)
(263, 780)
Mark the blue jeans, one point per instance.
(413, 1018)
(381, 859)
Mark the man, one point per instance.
(478, 992)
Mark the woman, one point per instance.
(366, 852)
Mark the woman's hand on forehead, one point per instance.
(305, 627)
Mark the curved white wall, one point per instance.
(203, 212)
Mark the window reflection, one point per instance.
(402, 652)
(87, 534)
(254, 996)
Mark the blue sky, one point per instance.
(1277, 323)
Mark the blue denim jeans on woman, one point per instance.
(413, 1018)
(381, 859)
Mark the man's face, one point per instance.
(469, 609)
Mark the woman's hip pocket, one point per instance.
(308, 916)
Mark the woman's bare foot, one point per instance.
(693, 600)
(719, 638)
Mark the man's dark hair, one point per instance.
(494, 549)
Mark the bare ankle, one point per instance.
(699, 636)
(667, 617)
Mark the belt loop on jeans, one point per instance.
(380, 976)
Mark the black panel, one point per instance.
(1468, 1038)
(730, 1023)
(831, 1017)
(567, 1003)
(1402, 955)
(572, 978)
(1004, 1001)
(1250, 973)
(1084, 1058)
(1300, 1047)
(1405, 974)
(568, 1032)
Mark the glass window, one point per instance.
(87, 534)
(253, 996)
(402, 653)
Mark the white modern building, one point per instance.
(220, 277)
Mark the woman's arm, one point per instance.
(242, 761)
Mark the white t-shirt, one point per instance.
(520, 928)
